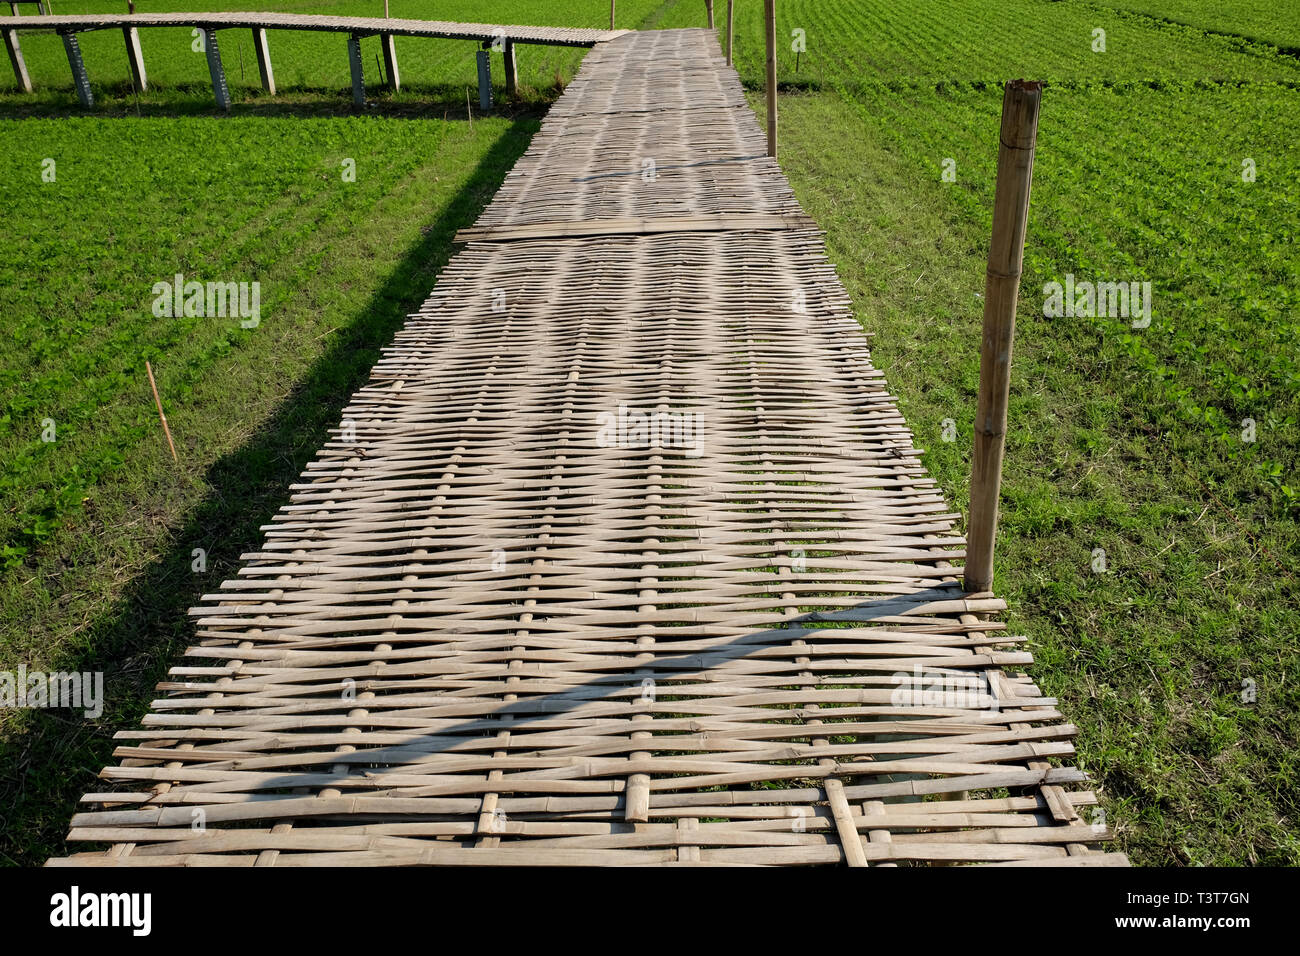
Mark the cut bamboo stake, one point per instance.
(611, 14)
(158, 401)
(769, 14)
(708, 7)
(731, 7)
(1001, 287)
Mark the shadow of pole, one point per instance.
(682, 683)
(416, 102)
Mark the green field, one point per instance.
(1125, 439)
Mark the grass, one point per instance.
(1124, 440)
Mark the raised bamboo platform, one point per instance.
(624, 555)
(502, 37)
(441, 29)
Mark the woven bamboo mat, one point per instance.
(624, 555)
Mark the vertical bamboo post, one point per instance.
(708, 8)
(731, 8)
(135, 59)
(264, 68)
(220, 88)
(355, 68)
(484, 79)
(611, 14)
(16, 61)
(80, 79)
(388, 44)
(1001, 287)
(511, 69)
(769, 15)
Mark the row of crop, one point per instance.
(1194, 193)
(1275, 23)
(845, 42)
(179, 196)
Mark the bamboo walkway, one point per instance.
(442, 29)
(624, 555)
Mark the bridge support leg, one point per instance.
(484, 81)
(135, 58)
(79, 78)
(16, 61)
(354, 64)
(219, 88)
(388, 42)
(512, 74)
(264, 60)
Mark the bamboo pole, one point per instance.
(611, 14)
(731, 8)
(1001, 287)
(769, 14)
(708, 6)
(158, 401)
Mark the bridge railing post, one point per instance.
(731, 27)
(769, 16)
(1018, 138)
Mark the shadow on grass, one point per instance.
(51, 757)
(414, 101)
